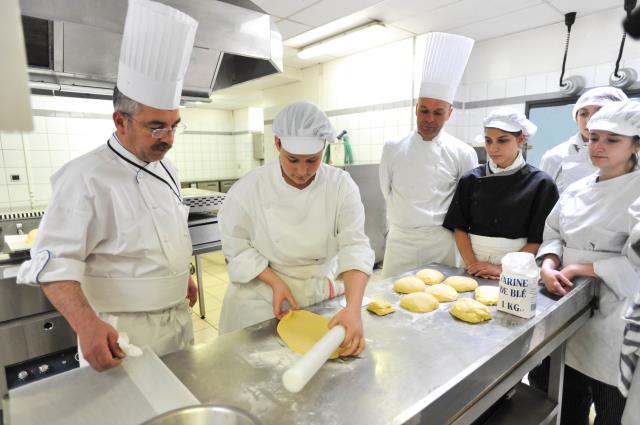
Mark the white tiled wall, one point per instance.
(212, 153)
(492, 72)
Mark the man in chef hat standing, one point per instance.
(113, 250)
(418, 174)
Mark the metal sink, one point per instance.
(205, 414)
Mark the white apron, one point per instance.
(492, 249)
(307, 233)
(408, 249)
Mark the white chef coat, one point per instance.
(418, 179)
(307, 236)
(632, 407)
(590, 224)
(567, 162)
(634, 229)
(123, 235)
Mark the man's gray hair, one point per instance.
(124, 104)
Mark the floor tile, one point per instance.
(199, 324)
(206, 335)
(213, 318)
(217, 291)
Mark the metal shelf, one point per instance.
(527, 406)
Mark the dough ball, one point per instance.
(470, 310)
(430, 276)
(419, 302)
(442, 292)
(408, 284)
(487, 295)
(461, 283)
(380, 307)
(31, 236)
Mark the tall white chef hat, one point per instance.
(617, 117)
(303, 129)
(598, 96)
(154, 55)
(445, 58)
(508, 119)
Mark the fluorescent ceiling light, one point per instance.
(357, 39)
(327, 30)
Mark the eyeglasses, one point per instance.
(159, 133)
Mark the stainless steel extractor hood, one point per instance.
(73, 46)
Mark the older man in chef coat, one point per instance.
(113, 250)
(419, 173)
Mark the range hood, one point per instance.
(73, 46)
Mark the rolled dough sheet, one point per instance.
(301, 329)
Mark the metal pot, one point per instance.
(205, 414)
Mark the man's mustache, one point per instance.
(162, 146)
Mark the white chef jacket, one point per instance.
(118, 231)
(632, 407)
(634, 229)
(590, 224)
(567, 162)
(418, 179)
(308, 236)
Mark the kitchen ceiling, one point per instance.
(480, 20)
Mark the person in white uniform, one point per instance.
(292, 228)
(568, 162)
(629, 383)
(501, 207)
(419, 173)
(585, 235)
(113, 249)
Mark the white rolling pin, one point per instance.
(300, 373)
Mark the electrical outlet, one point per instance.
(15, 177)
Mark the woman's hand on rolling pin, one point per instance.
(351, 320)
(282, 293)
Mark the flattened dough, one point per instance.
(430, 276)
(301, 329)
(409, 284)
(380, 307)
(487, 295)
(470, 310)
(419, 302)
(461, 283)
(31, 236)
(443, 293)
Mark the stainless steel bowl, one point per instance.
(205, 414)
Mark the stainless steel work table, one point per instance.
(430, 368)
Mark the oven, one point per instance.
(35, 340)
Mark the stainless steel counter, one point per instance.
(430, 367)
